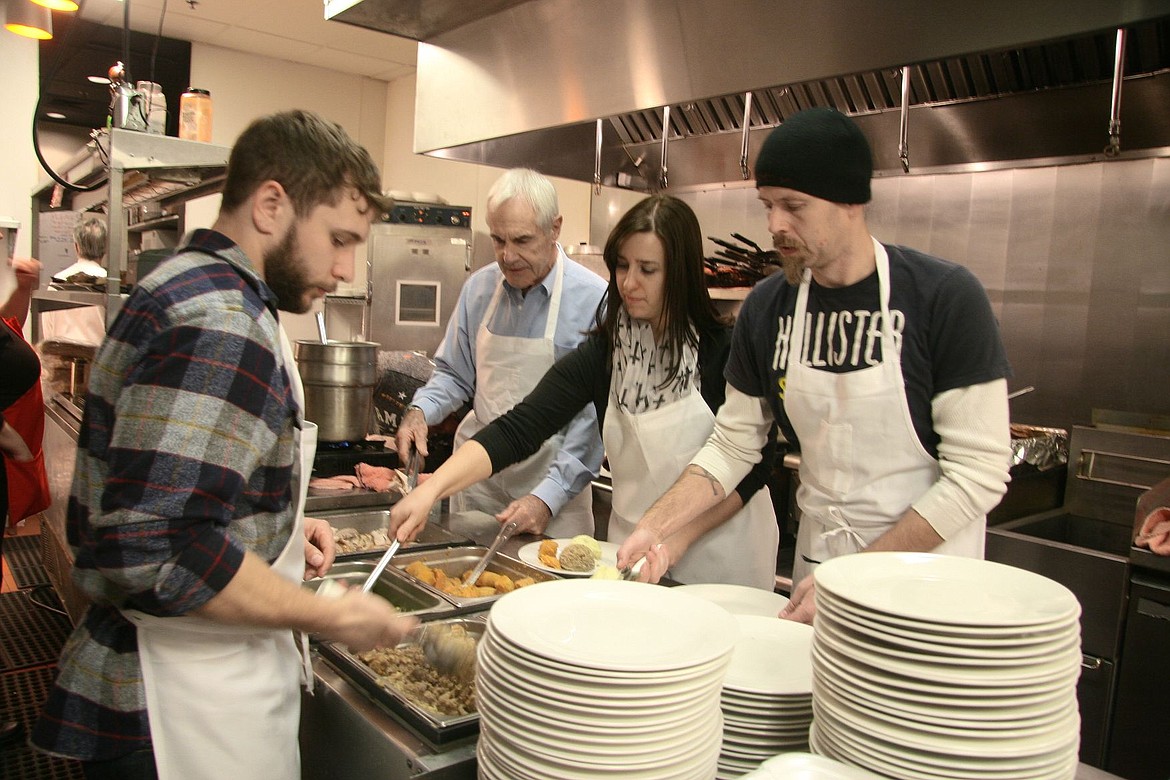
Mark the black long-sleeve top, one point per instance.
(583, 376)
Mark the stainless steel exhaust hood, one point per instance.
(990, 82)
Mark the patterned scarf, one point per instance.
(640, 369)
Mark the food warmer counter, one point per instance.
(349, 730)
(345, 732)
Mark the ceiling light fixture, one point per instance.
(28, 19)
(68, 6)
(55, 115)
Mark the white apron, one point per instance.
(647, 453)
(861, 462)
(507, 368)
(223, 701)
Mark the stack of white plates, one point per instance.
(767, 693)
(928, 667)
(582, 679)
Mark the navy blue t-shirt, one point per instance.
(939, 312)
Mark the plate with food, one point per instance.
(581, 556)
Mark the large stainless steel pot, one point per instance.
(339, 379)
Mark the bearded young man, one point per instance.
(186, 512)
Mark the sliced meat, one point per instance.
(380, 478)
(340, 482)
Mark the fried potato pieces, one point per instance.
(488, 584)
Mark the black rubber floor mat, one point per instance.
(33, 627)
(21, 695)
(23, 556)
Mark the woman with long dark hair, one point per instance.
(653, 369)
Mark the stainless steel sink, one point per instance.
(1088, 556)
(1087, 533)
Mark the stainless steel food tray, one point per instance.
(433, 536)
(404, 592)
(432, 727)
(454, 561)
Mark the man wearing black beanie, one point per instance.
(881, 364)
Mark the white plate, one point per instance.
(628, 626)
(967, 701)
(594, 676)
(772, 656)
(950, 633)
(806, 766)
(1058, 667)
(977, 649)
(947, 589)
(530, 554)
(738, 599)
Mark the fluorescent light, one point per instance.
(55, 115)
(29, 20)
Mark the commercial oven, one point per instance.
(419, 256)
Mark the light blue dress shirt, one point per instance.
(453, 383)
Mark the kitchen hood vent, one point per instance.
(1047, 101)
(415, 19)
(1073, 63)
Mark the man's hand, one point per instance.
(802, 607)
(363, 621)
(531, 514)
(28, 272)
(636, 547)
(320, 549)
(411, 435)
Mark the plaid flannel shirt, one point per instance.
(184, 461)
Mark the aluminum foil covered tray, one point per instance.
(455, 561)
(406, 696)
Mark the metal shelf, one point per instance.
(135, 168)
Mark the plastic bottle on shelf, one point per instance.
(195, 115)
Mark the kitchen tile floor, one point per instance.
(33, 626)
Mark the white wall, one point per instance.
(247, 86)
(19, 170)
(460, 183)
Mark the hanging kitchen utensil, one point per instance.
(663, 179)
(1114, 147)
(505, 533)
(744, 170)
(597, 162)
(903, 145)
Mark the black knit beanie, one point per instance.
(820, 152)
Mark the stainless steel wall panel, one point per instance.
(1075, 260)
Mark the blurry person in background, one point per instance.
(89, 242)
(186, 512)
(653, 372)
(514, 319)
(881, 364)
(24, 486)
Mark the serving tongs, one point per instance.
(506, 531)
(381, 566)
(414, 462)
